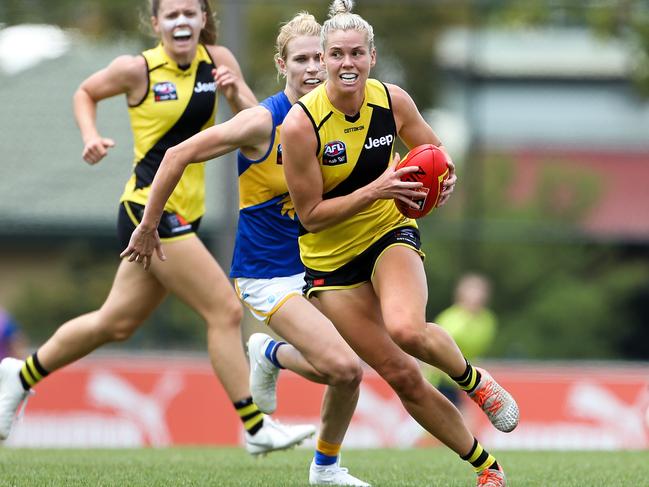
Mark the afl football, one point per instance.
(433, 170)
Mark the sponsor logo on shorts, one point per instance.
(165, 91)
(178, 224)
(318, 282)
(407, 235)
(334, 153)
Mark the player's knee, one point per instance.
(344, 371)
(405, 380)
(227, 314)
(121, 330)
(408, 337)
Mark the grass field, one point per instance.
(233, 467)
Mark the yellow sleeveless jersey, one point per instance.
(178, 104)
(352, 151)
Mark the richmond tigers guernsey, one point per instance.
(178, 104)
(352, 151)
(266, 243)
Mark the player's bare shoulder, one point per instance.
(400, 98)
(221, 55)
(129, 66)
(296, 120)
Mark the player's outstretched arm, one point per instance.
(246, 129)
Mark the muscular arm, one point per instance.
(229, 80)
(413, 131)
(125, 75)
(304, 179)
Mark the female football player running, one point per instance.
(172, 93)
(362, 256)
(268, 273)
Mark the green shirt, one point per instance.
(473, 333)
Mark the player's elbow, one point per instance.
(311, 224)
(177, 157)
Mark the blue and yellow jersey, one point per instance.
(266, 244)
(179, 103)
(353, 151)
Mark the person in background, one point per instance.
(471, 324)
(362, 257)
(12, 339)
(266, 266)
(172, 92)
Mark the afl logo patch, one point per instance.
(334, 153)
(165, 91)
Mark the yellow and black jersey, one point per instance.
(353, 151)
(179, 103)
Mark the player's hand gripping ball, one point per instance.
(433, 170)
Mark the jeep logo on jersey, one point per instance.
(164, 91)
(278, 158)
(334, 153)
(204, 87)
(385, 140)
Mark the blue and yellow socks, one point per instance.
(326, 453)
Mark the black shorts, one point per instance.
(171, 225)
(361, 268)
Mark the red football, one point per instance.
(433, 170)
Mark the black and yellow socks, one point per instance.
(32, 372)
(480, 458)
(251, 416)
(469, 380)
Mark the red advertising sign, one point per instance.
(131, 402)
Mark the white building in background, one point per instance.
(559, 93)
(557, 86)
(25, 46)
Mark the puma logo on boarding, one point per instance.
(385, 140)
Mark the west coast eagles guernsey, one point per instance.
(266, 244)
(178, 104)
(352, 151)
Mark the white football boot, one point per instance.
(275, 436)
(263, 374)
(11, 393)
(498, 404)
(333, 474)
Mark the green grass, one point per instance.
(233, 467)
